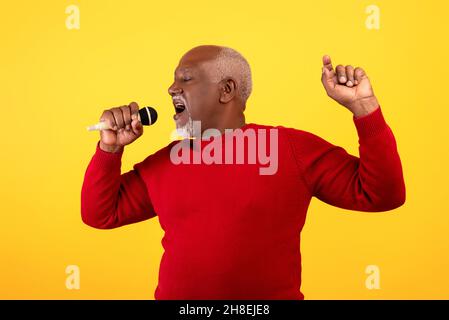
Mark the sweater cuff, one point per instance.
(107, 159)
(371, 124)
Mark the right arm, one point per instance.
(110, 199)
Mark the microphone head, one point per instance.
(148, 116)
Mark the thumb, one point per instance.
(328, 79)
(137, 127)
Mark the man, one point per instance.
(231, 232)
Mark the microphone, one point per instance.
(147, 116)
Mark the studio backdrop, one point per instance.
(63, 62)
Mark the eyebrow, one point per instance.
(185, 69)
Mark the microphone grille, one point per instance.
(148, 116)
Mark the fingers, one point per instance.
(120, 118)
(341, 74)
(108, 117)
(134, 107)
(134, 110)
(126, 111)
(350, 75)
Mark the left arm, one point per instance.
(373, 182)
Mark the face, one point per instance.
(195, 96)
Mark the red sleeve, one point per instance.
(373, 182)
(110, 199)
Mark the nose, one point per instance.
(174, 90)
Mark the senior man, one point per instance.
(230, 231)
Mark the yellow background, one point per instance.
(54, 82)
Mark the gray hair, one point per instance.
(230, 63)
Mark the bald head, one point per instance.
(223, 62)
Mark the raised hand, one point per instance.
(349, 87)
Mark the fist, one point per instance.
(349, 87)
(124, 125)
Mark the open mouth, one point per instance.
(179, 107)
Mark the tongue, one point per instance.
(178, 115)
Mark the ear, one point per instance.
(228, 90)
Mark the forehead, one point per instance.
(195, 68)
(198, 61)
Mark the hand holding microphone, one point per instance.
(122, 125)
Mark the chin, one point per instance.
(185, 130)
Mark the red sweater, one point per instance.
(231, 233)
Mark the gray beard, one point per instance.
(186, 131)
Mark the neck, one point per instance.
(234, 122)
(231, 122)
(232, 118)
